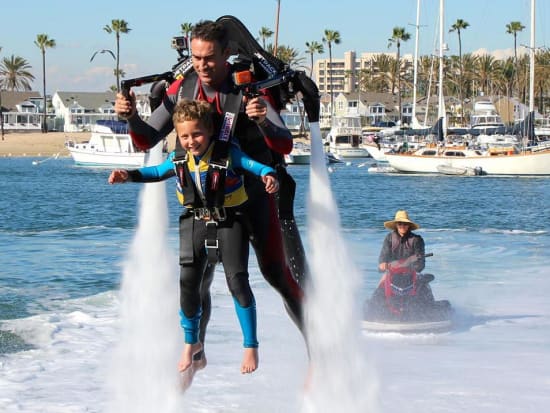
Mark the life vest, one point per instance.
(396, 243)
(193, 177)
(218, 159)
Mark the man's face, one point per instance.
(402, 228)
(209, 61)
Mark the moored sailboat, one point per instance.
(523, 160)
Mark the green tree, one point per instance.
(44, 42)
(265, 33)
(117, 27)
(312, 48)
(398, 35)
(457, 27)
(15, 74)
(186, 29)
(289, 55)
(331, 37)
(513, 28)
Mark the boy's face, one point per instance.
(193, 136)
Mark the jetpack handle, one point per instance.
(125, 85)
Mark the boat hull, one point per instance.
(374, 152)
(107, 159)
(343, 152)
(536, 163)
(296, 159)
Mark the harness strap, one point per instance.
(214, 191)
(188, 190)
(219, 161)
(211, 241)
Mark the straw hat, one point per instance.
(401, 216)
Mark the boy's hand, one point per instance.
(271, 183)
(118, 176)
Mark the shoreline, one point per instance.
(38, 144)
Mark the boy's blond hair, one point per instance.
(194, 110)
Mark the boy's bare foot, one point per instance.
(250, 360)
(187, 355)
(186, 376)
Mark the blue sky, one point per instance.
(364, 26)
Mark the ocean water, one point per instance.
(89, 285)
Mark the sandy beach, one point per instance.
(17, 144)
(23, 144)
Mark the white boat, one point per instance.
(345, 137)
(445, 169)
(300, 155)
(488, 126)
(375, 151)
(382, 168)
(530, 161)
(110, 145)
(428, 160)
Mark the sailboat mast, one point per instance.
(441, 109)
(532, 61)
(442, 119)
(414, 122)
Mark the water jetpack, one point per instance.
(404, 302)
(284, 84)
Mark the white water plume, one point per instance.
(340, 375)
(143, 376)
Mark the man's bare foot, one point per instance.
(186, 376)
(187, 355)
(250, 360)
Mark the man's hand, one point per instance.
(256, 109)
(125, 107)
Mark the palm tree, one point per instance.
(331, 36)
(265, 33)
(290, 56)
(398, 35)
(513, 28)
(382, 72)
(43, 42)
(117, 27)
(186, 29)
(314, 47)
(15, 74)
(458, 26)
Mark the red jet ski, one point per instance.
(404, 302)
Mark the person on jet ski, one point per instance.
(401, 243)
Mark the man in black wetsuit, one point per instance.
(262, 135)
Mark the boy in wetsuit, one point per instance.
(262, 135)
(193, 121)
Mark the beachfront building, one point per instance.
(78, 111)
(20, 111)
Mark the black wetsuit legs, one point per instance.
(266, 238)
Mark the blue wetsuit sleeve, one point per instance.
(157, 173)
(239, 160)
